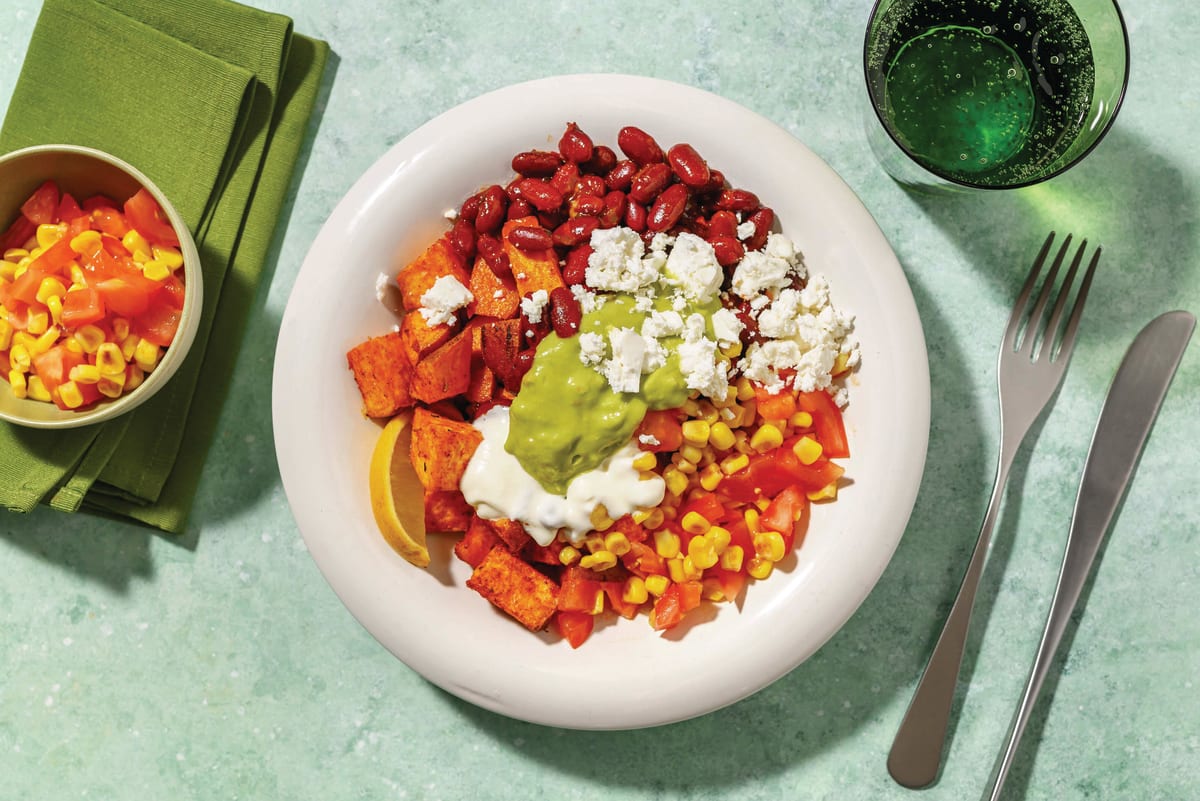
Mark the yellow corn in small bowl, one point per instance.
(84, 172)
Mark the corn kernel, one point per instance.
(19, 359)
(677, 482)
(731, 559)
(600, 560)
(745, 389)
(769, 545)
(120, 329)
(49, 233)
(134, 377)
(137, 245)
(702, 552)
(45, 340)
(760, 568)
(109, 358)
(840, 364)
(8, 271)
(826, 493)
(593, 542)
(691, 570)
(6, 332)
(683, 465)
(147, 355)
(675, 570)
(712, 590)
(709, 412)
(666, 543)
(766, 438)
(597, 604)
(167, 255)
(634, 591)
(656, 585)
(111, 386)
(55, 307)
(690, 453)
(710, 476)
(807, 450)
(751, 516)
(732, 350)
(645, 461)
(569, 555)
(800, 420)
(617, 543)
(72, 344)
(86, 374)
(38, 322)
(599, 517)
(696, 432)
(89, 337)
(695, 523)
(719, 536)
(87, 242)
(15, 254)
(732, 464)
(37, 390)
(16, 380)
(78, 278)
(50, 287)
(129, 347)
(720, 436)
(155, 270)
(69, 394)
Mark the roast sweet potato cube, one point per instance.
(444, 372)
(438, 260)
(495, 295)
(516, 587)
(383, 373)
(441, 449)
(531, 270)
(482, 387)
(512, 533)
(420, 338)
(446, 511)
(476, 542)
(500, 342)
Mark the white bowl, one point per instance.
(625, 675)
(85, 171)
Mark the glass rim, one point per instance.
(967, 184)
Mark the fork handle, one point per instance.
(916, 752)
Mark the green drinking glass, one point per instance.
(991, 94)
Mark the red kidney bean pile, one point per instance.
(583, 186)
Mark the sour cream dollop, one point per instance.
(497, 486)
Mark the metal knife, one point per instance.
(1128, 414)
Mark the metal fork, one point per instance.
(1030, 368)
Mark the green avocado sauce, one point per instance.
(566, 419)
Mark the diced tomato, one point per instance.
(615, 590)
(17, 234)
(642, 560)
(42, 204)
(172, 291)
(94, 202)
(89, 392)
(54, 366)
(732, 582)
(57, 258)
(784, 513)
(115, 248)
(25, 286)
(143, 213)
(68, 208)
(774, 406)
(81, 307)
(77, 225)
(664, 426)
(578, 591)
(674, 603)
(827, 423)
(707, 505)
(158, 324)
(124, 296)
(108, 220)
(770, 473)
(575, 627)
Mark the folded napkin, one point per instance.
(210, 99)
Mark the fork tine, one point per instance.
(1068, 339)
(1018, 312)
(1049, 338)
(1035, 316)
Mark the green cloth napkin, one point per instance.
(210, 99)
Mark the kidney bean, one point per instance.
(536, 163)
(565, 314)
(575, 267)
(542, 195)
(737, 200)
(519, 208)
(575, 231)
(722, 223)
(635, 215)
(639, 145)
(575, 145)
(592, 185)
(492, 205)
(565, 178)
(621, 174)
(586, 205)
(614, 208)
(551, 219)
(667, 208)
(763, 219)
(649, 181)
(470, 208)
(603, 159)
(462, 238)
(728, 249)
(492, 251)
(688, 166)
(716, 181)
(530, 238)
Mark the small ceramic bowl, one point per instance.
(84, 172)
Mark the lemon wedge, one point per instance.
(397, 497)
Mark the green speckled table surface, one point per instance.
(219, 664)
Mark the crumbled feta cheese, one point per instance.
(727, 327)
(662, 324)
(591, 348)
(661, 242)
(499, 293)
(758, 271)
(624, 369)
(588, 301)
(616, 262)
(692, 267)
(533, 306)
(779, 320)
(746, 230)
(440, 301)
(382, 282)
(648, 439)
